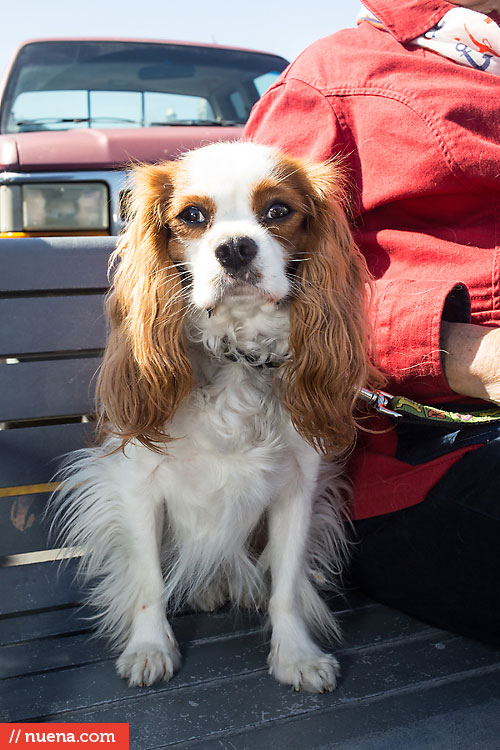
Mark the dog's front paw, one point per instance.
(308, 669)
(143, 664)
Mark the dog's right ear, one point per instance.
(146, 372)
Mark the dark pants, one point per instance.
(439, 561)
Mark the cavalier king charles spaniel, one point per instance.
(238, 341)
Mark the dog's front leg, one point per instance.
(151, 653)
(295, 659)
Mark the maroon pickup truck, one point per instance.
(76, 113)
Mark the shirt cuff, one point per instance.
(407, 328)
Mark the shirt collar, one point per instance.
(407, 19)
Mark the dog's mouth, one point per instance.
(247, 283)
(241, 289)
(250, 285)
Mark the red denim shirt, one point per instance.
(421, 139)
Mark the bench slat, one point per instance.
(200, 625)
(31, 455)
(188, 627)
(45, 654)
(41, 264)
(51, 324)
(56, 388)
(22, 527)
(460, 714)
(49, 624)
(24, 588)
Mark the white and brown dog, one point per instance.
(238, 339)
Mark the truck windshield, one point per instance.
(60, 85)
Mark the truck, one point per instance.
(75, 114)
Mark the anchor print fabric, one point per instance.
(463, 35)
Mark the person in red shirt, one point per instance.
(411, 100)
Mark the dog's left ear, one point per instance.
(330, 330)
(146, 372)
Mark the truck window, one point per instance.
(57, 85)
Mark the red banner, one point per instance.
(64, 736)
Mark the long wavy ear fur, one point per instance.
(145, 372)
(330, 333)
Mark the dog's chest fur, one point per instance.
(236, 409)
(235, 445)
(235, 406)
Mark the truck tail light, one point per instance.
(63, 206)
(54, 207)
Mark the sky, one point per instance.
(283, 28)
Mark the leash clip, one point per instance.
(380, 401)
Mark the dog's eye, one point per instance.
(277, 211)
(193, 215)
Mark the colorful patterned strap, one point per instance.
(399, 407)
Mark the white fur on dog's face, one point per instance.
(228, 198)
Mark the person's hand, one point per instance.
(471, 359)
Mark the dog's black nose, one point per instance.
(235, 253)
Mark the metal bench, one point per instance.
(403, 684)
